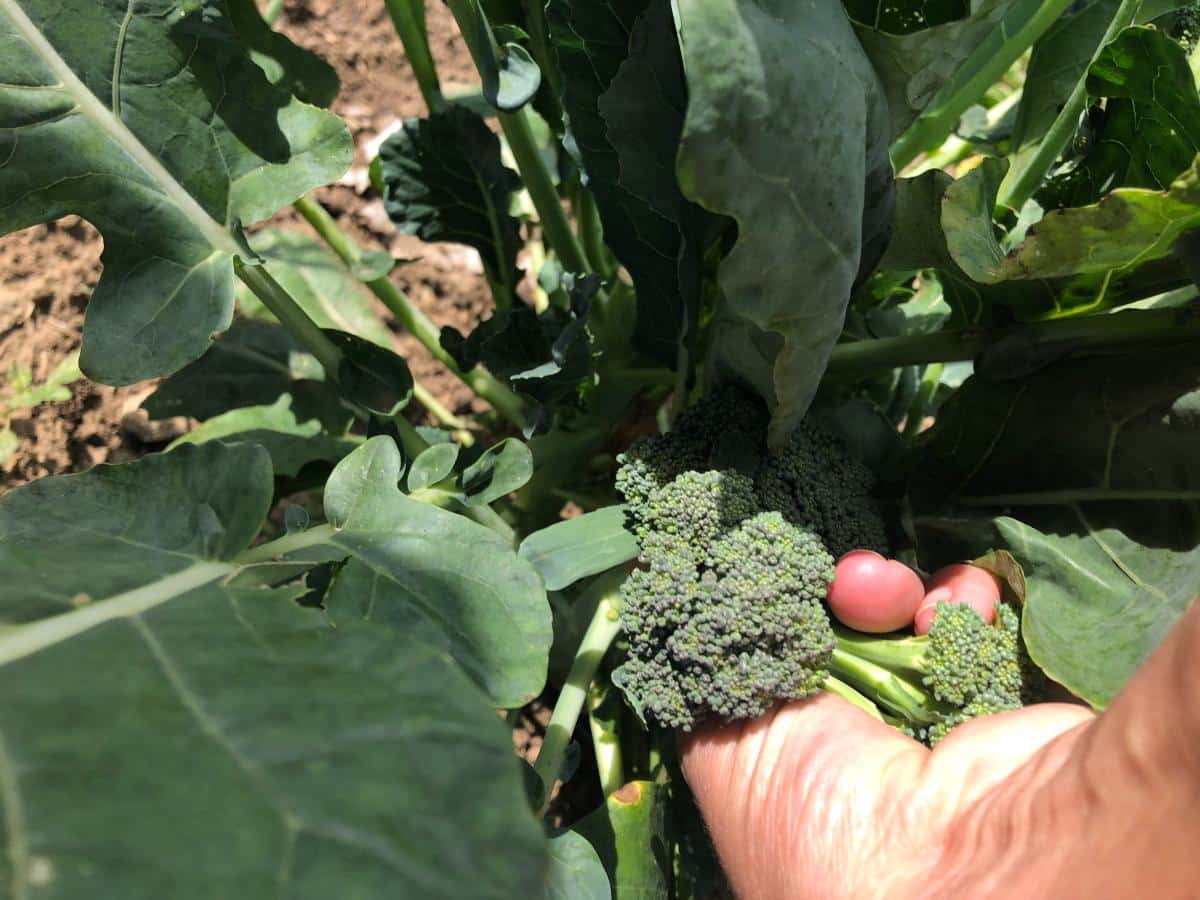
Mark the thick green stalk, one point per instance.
(290, 315)
(606, 743)
(906, 654)
(888, 690)
(850, 695)
(519, 134)
(954, 150)
(479, 380)
(271, 13)
(408, 16)
(1130, 328)
(1029, 168)
(604, 627)
(1025, 22)
(542, 192)
(591, 231)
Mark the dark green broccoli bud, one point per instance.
(815, 480)
(730, 416)
(694, 510)
(745, 629)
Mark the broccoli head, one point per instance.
(731, 630)
(725, 614)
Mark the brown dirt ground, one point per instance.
(47, 272)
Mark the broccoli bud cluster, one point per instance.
(725, 614)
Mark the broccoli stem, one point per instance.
(850, 695)
(603, 629)
(893, 693)
(906, 654)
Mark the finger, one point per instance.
(794, 798)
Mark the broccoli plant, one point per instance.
(920, 282)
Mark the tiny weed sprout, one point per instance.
(915, 292)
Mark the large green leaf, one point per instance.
(152, 122)
(575, 872)
(1091, 470)
(571, 550)
(236, 745)
(299, 71)
(79, 540)
(1149, 131)
(252, 364)
(1054, 95)
(787, 133)
(1127, 229)
(318, 282)
(292, 444)
(916, 52)
(625, 96)
(444, 181)
(413, 560)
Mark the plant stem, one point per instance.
(290, 315)
(929, 386)
(591, 231)
(1023, 24)
(271, 13)
(606, 743)
(410, 439)
(850, 695)
(408, 17)
(479, 380)
(1029, 168)
(443, 416)
(538, 183)
(289, 543)
(483, 514)
(955, 149)
(887, 690)
(604, 627)
(1130, 328)
(519, 134)
(539, 32)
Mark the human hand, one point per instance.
(819, 800)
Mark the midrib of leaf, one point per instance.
(24, 640)
(14, 824)
(109, 122)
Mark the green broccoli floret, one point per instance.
(732, 635)
(967, 668)
(813, 479)
(725, 614)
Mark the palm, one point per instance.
(817, 799)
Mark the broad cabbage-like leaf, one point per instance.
(1090, 475)
(1127, 229)
(424, 562)
(786, 133)
(917, 47)
(1149, 129)
(167, 175)
(625, 96)
(444, 181)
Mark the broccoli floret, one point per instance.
(733, 635)
(967, 667)
(725, 614)
(813, 479)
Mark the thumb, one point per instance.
(797, 799)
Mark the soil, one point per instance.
(47, 272)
